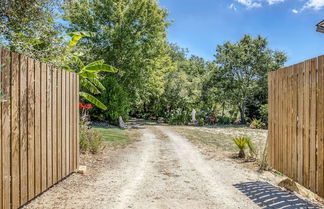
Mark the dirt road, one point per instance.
(162, 170)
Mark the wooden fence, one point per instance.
(296, 123)
(38, 127)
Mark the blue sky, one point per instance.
(289, 25)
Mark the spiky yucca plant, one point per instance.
(242, 143)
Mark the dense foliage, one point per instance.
(155, 79)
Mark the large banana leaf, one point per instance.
(99, 62)
(85, 74)
(89, 86)
(75, 39)
(93, 100)
(100, 68)
(97, 83)
(78, 61)
(76, 36)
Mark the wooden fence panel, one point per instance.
(38, 144)
(5, 128)
(296, 123)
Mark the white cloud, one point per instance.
(233, 7)
(250, 3)
(295, 11)
(271, 2)
(257, 3)
(314, 4)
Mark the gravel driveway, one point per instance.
(160, 170)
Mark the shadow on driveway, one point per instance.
(270, 197)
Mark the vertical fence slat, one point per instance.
(15, 129)
(49, 127)
(5, 133)
(23, 129)
(63, 124)
(67, 123)
(54, 123)
(43, 126)
(73, 121)
(320, 129)
(31, 128)
(59, 124)
(294, 122)
(1, 186)
(77, 121)
(306, 112)
(312, 136)
(300, 121)
(38, 141)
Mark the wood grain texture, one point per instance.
(296, 123)
(32, 122)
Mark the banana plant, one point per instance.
(88, 74)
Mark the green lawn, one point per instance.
(114, 136)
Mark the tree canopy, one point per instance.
(154, 78)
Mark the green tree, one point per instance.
(30, 27)
(130, 35)
(243, 67)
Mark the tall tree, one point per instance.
(30, 27)
(130, 35)
(243, 68)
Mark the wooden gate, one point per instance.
(296, 123)
(39, 120)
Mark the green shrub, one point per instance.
(242, 143)
(264, 114)
(179, 117)
(224, 120)
(117, 101)
(257, 124)
(90, 140)
(201, 121)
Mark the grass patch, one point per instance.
(114, 136)
(222, 137)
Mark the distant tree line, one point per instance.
(155, 78)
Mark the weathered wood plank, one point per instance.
(67, 123)
(23, 130)
(320, 129)
(1, 186)
(54, 123)
(78, 119)
(43, 127)
(59, 124)
(38, 141)
(294, 122)
(49, 127)
(15, 130)
(312, 136)
(31, 128)
(5, 133)
(64, 167)
(306, 113)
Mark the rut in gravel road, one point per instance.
(162, 170)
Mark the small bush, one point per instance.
(179, 117)
(242, 143)
(90, 140)
(201, 121)
(224, 120)
(264, 114)
(257, 124)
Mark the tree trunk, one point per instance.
(242, 113)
